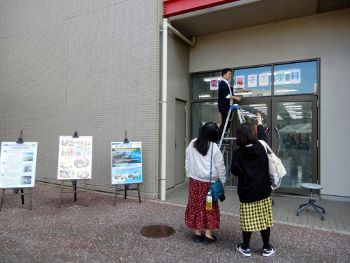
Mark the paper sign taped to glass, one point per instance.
(74, 158)
(126, 160)
(18, 164)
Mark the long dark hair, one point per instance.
(208, 134)
(246, 134)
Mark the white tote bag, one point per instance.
(275, 165)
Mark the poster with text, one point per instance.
(18, 164)
(263, 79)
(126, 163)
(280, 78)
(74, 158)
(252, 81)
(294, 76)
(214, 84)
(239, 82)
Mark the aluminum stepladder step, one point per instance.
(241, 120)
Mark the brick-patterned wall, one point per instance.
(86, 66)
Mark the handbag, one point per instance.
(275, 165)
(216, 189)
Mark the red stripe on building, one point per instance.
(178, 7)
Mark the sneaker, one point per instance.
(245, 251)
(268, 252)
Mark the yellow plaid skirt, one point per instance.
(256, 216)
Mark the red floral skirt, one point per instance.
(197, 217)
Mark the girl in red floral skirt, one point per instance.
(198, 156)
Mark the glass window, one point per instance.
(258, 80)
(204, 112)
(205, 85)
(250, 113)
(295, 78)
(294, 122)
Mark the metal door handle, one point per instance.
(278, 141)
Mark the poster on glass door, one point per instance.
(126, 160)
(18, 164)
(74, 158)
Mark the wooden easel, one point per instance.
(30, 193)
(126, 188)
(75, 191)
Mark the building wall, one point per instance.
(178, 88)
(86, 66)
(325, 36)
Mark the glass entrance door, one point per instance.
(291, 126)
(294, 139)
(249, 108)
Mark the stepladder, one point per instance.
(225, 132)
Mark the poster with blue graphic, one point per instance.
(126, 163)
(18, 164)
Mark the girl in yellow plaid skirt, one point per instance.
(250, 164)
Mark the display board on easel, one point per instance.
(126, 162)
(17, 168)
(74, 162)
(75, 157)
(18, 164)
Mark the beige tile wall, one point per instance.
(90, 66)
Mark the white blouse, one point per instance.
(198, 166)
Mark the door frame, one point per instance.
(315, 142)
(184, 142)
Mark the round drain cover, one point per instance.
(157, 231)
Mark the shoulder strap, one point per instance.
(211, 161)
(266, 146)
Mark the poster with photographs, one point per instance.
(74, 158)
(126, 163)
(18, 164)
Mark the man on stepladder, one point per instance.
(226, 99)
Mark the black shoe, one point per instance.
(207, 240)
(245, 251)
(197, 238)
(268, 252)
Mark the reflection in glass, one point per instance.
(205, 85)
(294, 123)
(258, 80)
(206, 112)
(249, 113)
(295, 78)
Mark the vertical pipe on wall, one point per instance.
(164, 109)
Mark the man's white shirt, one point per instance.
(228, 96)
